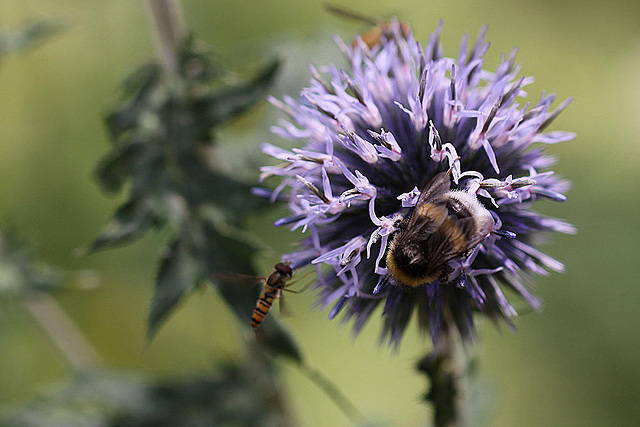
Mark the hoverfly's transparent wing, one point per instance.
(240, 279)
(344, 12)
(283, 306)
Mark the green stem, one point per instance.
(333, 392)
(62, 331)
(262, 368)
(446, 369)
(170, 33)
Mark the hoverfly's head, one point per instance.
(284, 270)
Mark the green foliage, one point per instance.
(238, 396)
(20, 274)
(162, 133)
(451, 382)
(27, 36)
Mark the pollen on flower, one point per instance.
(377, 139)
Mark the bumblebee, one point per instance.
(273, 286)
(444, 224)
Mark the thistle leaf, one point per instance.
(158, 133)
(115, 168)
(229, 103)
(130, 222)
(28, 36)
(20, 273)
(180, 270)
(241, 396)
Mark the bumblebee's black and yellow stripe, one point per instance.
(273, 286)
(444, 224)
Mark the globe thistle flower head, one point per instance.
(401, 126)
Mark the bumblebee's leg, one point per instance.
(445, 273)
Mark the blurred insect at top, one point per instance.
(380, 28)
(274, 284)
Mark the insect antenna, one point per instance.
(298, 280)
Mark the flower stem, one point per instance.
(170, 33)
(62, 331)
(333, 392)
(446, 369)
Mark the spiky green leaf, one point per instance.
(180, 270)
(229, 103)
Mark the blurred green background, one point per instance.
(576, 364)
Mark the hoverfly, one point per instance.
(380, 29)
(272, 288)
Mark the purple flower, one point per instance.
(374, 135)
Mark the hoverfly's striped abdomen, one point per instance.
(273, 285)
(262, 307)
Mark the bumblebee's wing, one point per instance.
(468, 234)
(438, 186)
(476, 230)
